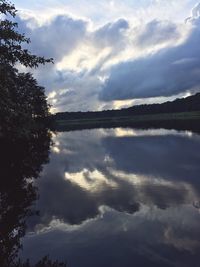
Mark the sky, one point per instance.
(113, 54)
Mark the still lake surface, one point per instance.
(119, 197)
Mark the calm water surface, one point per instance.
(119, 197)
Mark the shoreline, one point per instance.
(165, 120)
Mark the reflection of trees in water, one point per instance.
(24, 140)
(21, 163)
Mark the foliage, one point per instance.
(22, 101)
(188, 104)
(7, 8)
(45, 262)
(11, 41)
(24, 138)
(21, 163)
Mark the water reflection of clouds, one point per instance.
(122, 172)
(149, 237)
(125, 132)
(169, 156)
(127, 185)
(90, 180)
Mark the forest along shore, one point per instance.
(180, 112)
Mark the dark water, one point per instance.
(119, 197)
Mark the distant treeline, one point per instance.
(191, 103)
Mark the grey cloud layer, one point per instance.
(167, 72)
(62, 36)
(111, 34)
(157, 32)
(54, 39)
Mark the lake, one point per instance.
(119, 197)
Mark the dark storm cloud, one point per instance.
(167, 72)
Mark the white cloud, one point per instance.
(135, 51)
(92, 181)
(157, 74)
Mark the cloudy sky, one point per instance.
(112, 54)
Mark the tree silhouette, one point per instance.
(11, 41)
(21, 163)
(24, 139)
(22, 100)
